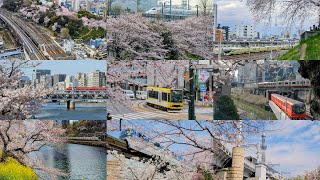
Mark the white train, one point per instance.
(174, 11)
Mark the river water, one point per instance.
(83, 111)
(78, 161)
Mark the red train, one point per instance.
(86, 88)
(294, 109)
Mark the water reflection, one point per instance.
(79, 161)
(88, 111)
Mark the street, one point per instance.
(141, 111)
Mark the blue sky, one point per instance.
(294, 145)
(68, 67)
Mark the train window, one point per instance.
(176, 96)
(164, 96)
(153, 94)
(299, 108)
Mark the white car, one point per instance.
(128, 93)
(141, 95)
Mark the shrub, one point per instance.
(11, 169)
(225, 109)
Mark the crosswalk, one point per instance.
(136, 116)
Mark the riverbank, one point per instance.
(89, 143)
(252, 111)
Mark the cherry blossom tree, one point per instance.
(192, 37)
(20, 138)
(133, 38)
(16, 102)
(291, 11)
(312, 175)
(197, 143)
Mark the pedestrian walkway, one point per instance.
(136, 116)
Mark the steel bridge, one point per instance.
(77, 95)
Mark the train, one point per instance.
(130, 132)
(300, 83)
(165, 98)
(80, 88)
(174, 11)
(294, 109)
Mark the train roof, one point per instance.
(291, 101)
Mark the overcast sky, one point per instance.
(232, 12)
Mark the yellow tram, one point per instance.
(165, 98)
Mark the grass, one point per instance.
(11, 169)
(312, 50)
(292, 54)
(90, 33)
(260, 113)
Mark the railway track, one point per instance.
(169, 115)
(251, 56)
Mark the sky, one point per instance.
(293, 144)
(68, 67)
(233, 12)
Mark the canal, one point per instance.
(80, 162)
(254, 112)
(83, 111)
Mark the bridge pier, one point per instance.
(71, 104)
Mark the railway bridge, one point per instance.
(71, 96)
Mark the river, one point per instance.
(81, 162)
(82, 111)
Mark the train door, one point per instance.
(160, 96)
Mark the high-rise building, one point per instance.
(226, 32)
(58, 78)
(71, 81)
(82, 79)
(38, 73)
(245, 32)
(96, 79)
(215, 18)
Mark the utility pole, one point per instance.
(191, 112)
(170, 10)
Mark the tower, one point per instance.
(263, 148)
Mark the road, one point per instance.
(38, 43)
(141, 111)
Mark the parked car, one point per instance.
(128, 93)
(141, 95)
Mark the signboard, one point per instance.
(203, 75)
(203, 88)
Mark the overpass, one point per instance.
(222, 158)
(38, 44)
